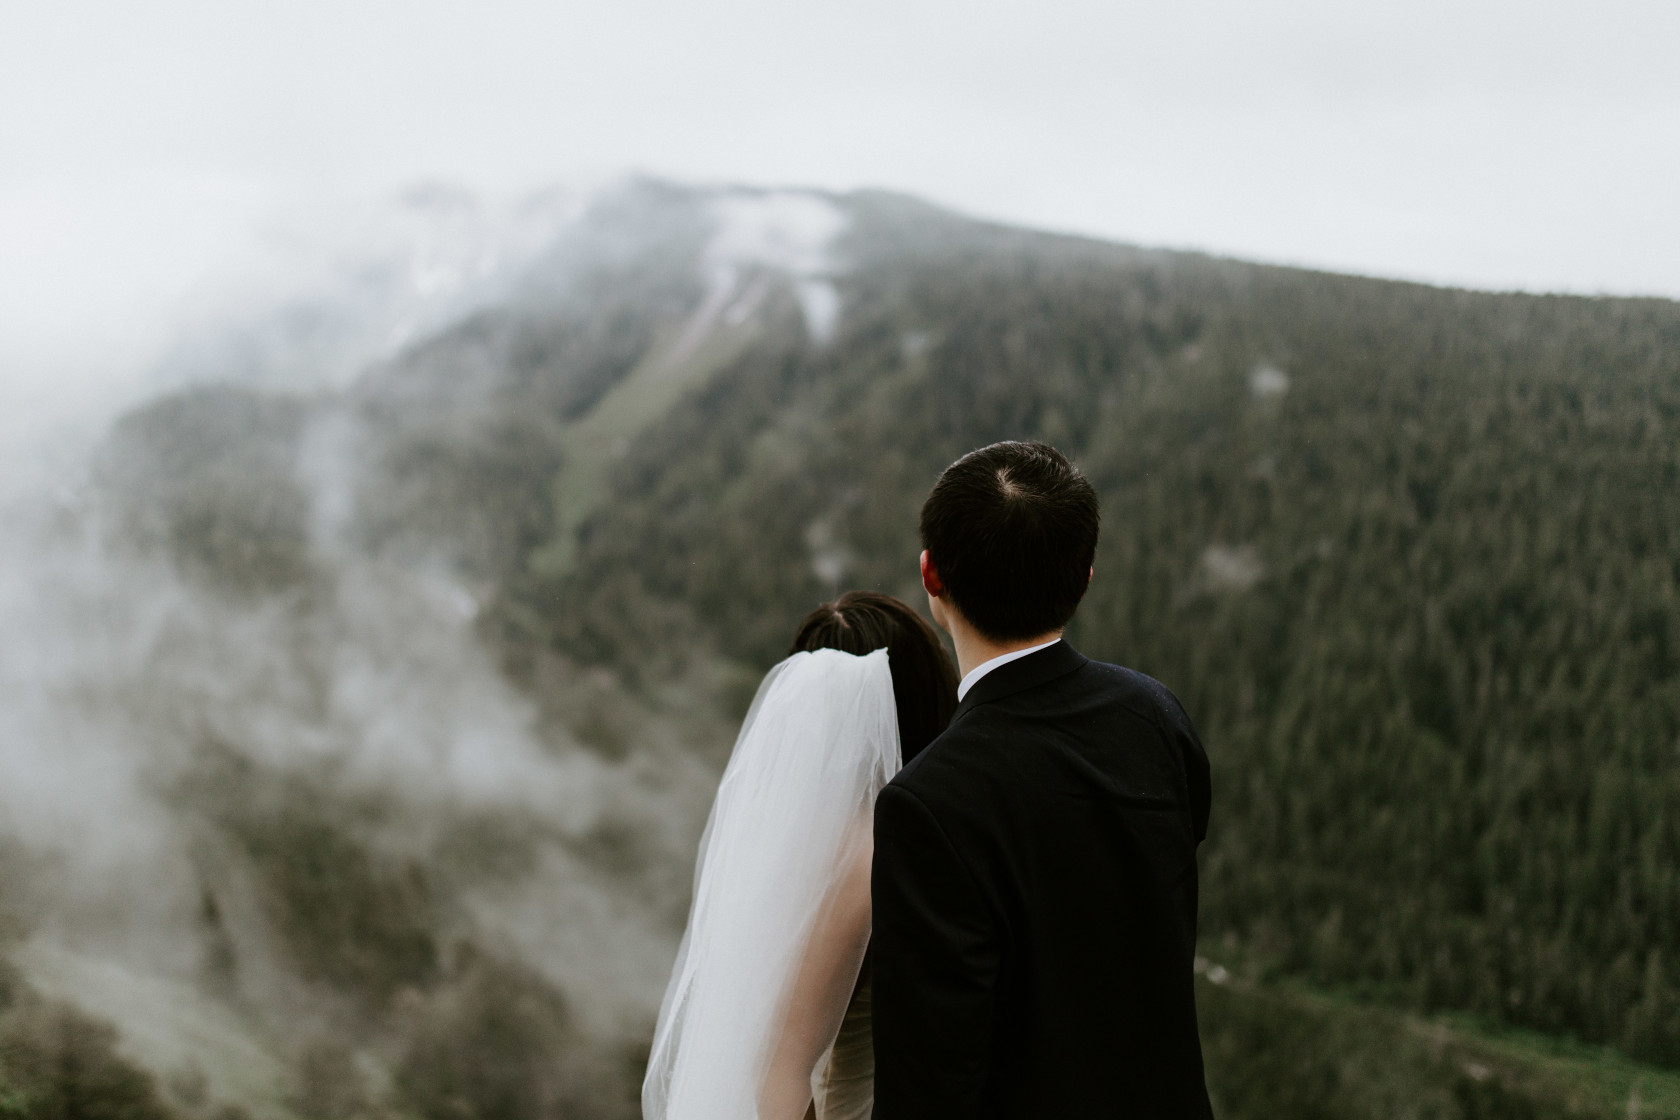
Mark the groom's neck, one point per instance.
(974, 649)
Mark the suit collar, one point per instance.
(1023, 673)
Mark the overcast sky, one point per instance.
(1491, 143)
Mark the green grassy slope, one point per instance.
(1281, 1049)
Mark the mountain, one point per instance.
(367, 727)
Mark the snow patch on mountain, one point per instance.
(790, 232)
(786, 230)
(820, 302)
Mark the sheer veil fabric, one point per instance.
(780, 919)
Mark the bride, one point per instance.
(767, 1012)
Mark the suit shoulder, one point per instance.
(1140, 690)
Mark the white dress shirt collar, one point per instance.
(985, 667)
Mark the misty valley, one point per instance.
(366, 688)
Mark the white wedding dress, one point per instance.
(765, 1014)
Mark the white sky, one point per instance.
(1494, 143)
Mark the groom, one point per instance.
(1035, 867)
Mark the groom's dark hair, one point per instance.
(1012, 531)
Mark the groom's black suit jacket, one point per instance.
(1035, 903)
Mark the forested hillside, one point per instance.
(1410, 557)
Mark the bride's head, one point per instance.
(924, 680)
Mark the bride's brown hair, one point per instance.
(924, 680)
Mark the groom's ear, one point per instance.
(930, 577)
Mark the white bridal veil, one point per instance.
(776, 923)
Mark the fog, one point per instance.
(214, 680)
